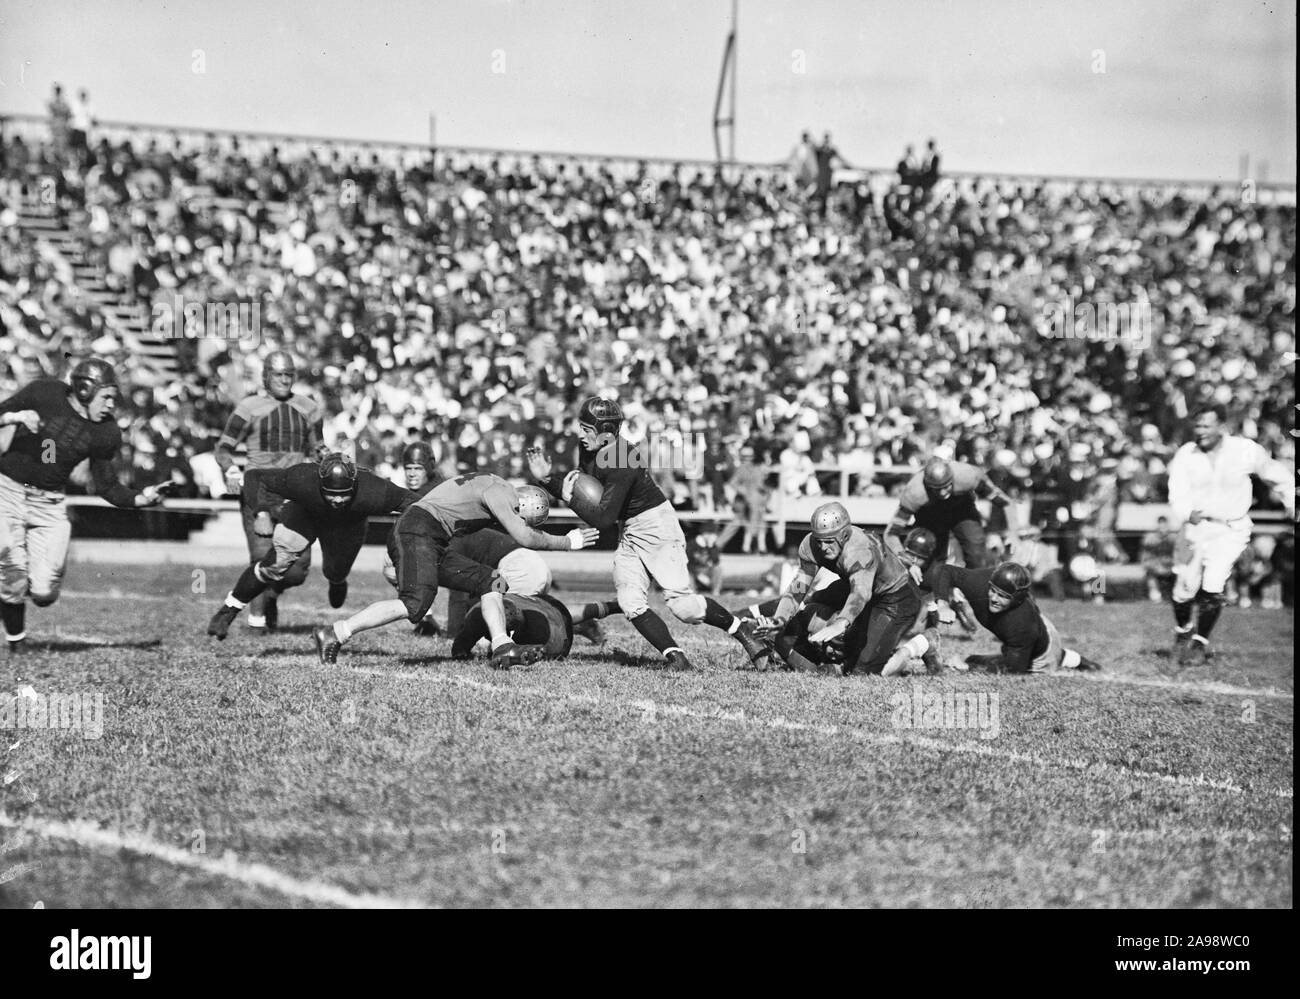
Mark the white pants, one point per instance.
(653, 547)
(1215, 548)
(34, 536)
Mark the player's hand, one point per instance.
(1195, 517)
(582, 537)
(946, 614)
(915, 572)
(769, 627)
(832, 631)
(29, 418)
(566, 490)
(234, 479)
(539, 463)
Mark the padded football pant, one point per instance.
(422, 560)
(34, 537)
(653, 547)
(287, 562)
(1214, 550)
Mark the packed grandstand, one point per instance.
(472, 298)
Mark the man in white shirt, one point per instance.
(1210, 493)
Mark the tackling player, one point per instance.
(871, 606)
(1001, 602)
(1210, 492)
(57, 426)
(651, 543)
(941, 498)
(332, 501)
(423, 559)
(281, 429)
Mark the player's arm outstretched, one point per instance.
(986, 489)
(502, 504)
(792, 599)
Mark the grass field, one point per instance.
(247, 774)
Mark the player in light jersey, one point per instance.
(424, 558)
(1210, 493)
(941, 498)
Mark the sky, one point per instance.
(1170, 89)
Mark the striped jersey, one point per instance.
(278, 434)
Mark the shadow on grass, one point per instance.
(81, 644)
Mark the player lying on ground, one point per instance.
(281, 429)
(1002, 603)
(533, 620)
(941, 498)
(1210, 492)
(867, 609)
(56, 427)
(420, 548)
(332, 501)
(651, 544)
(920, 551)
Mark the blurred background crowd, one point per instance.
(823, 317)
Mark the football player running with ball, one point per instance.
(332, 501)
(424, 558)
(867, 610)
(56, 427)
(651, 544)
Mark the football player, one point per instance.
(281, 429)
(331, 501)
(423, 559)
(867, 610)
(1210, 493)
(919, 551)
(419, 472)
(1002, 603)
(538, 620)
(651, 543)
(56, 427)
(941, 498)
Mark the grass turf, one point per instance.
(399, 776)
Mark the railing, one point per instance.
(392, 152)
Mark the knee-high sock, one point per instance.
(248, 586)
(653, 630)
(15, 619)
(1209, 607)
(719, 617)
(598, 609)
(1183, 614)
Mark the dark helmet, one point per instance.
(921, 543)
(418, 453)
(338, 476)
(831, 522)
(277, 362)
(91, 375)
(937, 475)
(1012, 581)
(604, 414)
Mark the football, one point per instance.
(587, 491)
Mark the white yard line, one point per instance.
(89, 835)
(650, 710)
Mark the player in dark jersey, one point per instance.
(421, 477)
(1002, 603)
(423, 559)
(868, 609)
(56, 427)
(332, 502)
(281, 429)
(941, 498)
(539, 620)
(651, 543)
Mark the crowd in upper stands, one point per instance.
(865, 322)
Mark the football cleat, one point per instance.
(1087, 665)
(1195, 653)
(933, 664)
(338, 593)
(676, 660)
(591, 631)
(511, 654)
(760, 653)
(221, 621)
(327, 645)
(1181, 641)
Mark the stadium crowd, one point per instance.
(474, 300)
